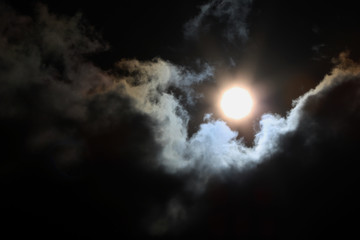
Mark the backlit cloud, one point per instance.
(124, 131)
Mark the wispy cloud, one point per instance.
(59, 107)
(230, 14)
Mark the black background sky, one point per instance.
(308, 187)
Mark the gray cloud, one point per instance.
(285, 146)
(56, 103)
(45, 80)
(231, 13)
(214, 148)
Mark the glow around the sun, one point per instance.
(236, 103)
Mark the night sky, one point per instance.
(110, 125)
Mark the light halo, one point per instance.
(236, 103)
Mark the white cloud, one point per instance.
(214, 147)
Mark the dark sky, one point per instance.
(110, 124)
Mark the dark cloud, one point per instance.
(74, 151)
(102, 153)
(307, 186)
(80, 145)
(230, 14)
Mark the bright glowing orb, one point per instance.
(236, 103)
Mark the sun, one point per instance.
(236, 103)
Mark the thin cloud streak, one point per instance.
(231, 13)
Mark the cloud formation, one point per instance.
(215, 147)
(230, 14)
(124, 132)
